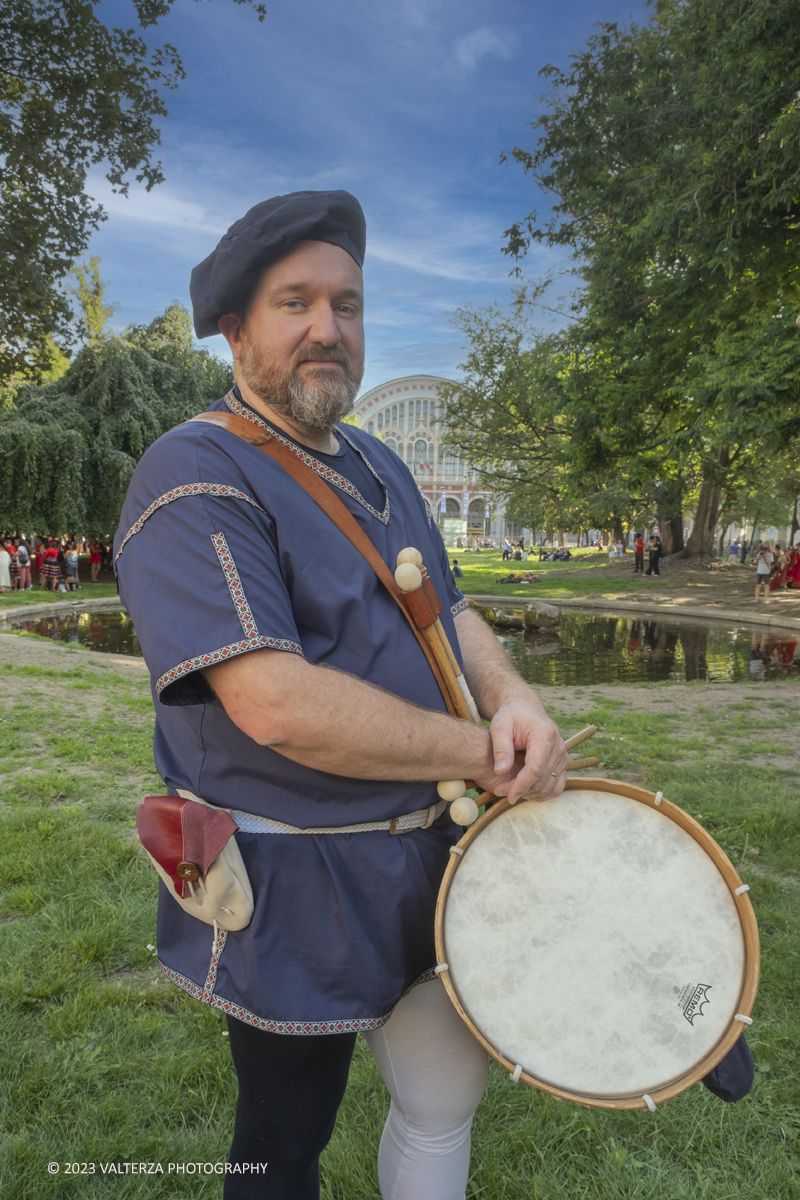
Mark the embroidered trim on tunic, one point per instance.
(299, 1028)
(429, 511)
(459, 606)
(186, 489)
(249, 627)
(325, 472)
(216, 954)
(259, 642)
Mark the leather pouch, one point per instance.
(191, 845)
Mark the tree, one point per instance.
(68, 449)
(673, 155)
(95, 312)
(73, 93)
(533, 421)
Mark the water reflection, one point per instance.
(587, 648)
(98, 629)
(590, 648)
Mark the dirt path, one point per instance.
(728, 585)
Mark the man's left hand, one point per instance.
(530, 758)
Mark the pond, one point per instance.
(96, 629)
(588, 648)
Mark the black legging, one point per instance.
(290, 1089)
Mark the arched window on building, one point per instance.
(423, 457)
(453, 508)
(450, 464)
(392, 444)
(392, 417)
(476, 511)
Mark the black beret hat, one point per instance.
(262, 236)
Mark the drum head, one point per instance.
(596, 941)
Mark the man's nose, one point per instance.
(324, 329)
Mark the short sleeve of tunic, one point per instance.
(198, 564)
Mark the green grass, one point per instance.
(89, 591)
(579, 577)
(104, 1062)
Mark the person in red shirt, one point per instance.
(638, 555)
(95, 559)
(51, 568)
(38, 561)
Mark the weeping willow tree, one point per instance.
(68, 449)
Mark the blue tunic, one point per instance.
(220, 552)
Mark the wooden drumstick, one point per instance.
(573, 764)
(577, 738)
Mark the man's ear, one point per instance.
(231, 329)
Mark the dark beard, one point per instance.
(318, 403)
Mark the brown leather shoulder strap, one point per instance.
(334, 509)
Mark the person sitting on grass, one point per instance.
(515, 577)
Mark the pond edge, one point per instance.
(665, 610)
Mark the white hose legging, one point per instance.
(436, 1073)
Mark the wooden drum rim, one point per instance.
(744, 908)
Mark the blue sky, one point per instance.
(406, 103)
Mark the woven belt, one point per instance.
(423, 818)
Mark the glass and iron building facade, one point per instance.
(407, 414)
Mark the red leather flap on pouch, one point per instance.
(174, 830)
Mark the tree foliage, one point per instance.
(672, 154)
(73, 94)
(68, 449)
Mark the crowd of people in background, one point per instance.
(777, 568)
(50, 563)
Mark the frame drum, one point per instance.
(600, 945)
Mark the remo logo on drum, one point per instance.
(693, 999)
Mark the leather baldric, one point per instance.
(335, 510)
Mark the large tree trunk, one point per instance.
(673, 534)
(701, 539)
(670, 516)
(795, 521)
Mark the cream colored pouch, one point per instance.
(191, 845)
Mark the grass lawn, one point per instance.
(89, 591)
(106, 1062)
(587, 574)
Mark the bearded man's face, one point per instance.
(302, 345)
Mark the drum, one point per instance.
(600, 945)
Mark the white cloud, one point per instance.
(472, 47)
(160, 207)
